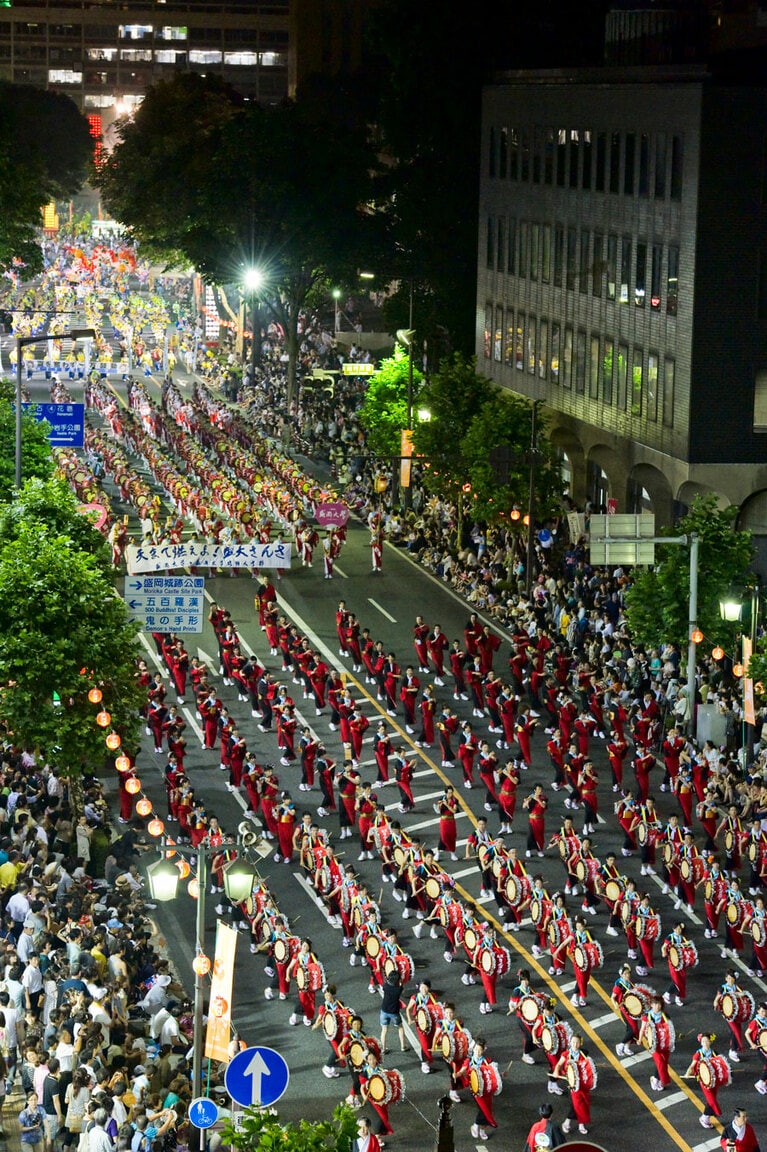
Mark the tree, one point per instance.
(52, 505)
(36, 459)
(45, 153)
(203, 177)
(262, 1131)
(384, 411)
(63, 631)
(657, 604)
(454, 395)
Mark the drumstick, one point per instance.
(506, 1069)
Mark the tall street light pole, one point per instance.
(254, 279)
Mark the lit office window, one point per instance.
(172, 33)
(519, 343)
(594, 368)
(508, 352)
(204, 56)
(669, 381)
(621, 377)
(608, 367)
(543, 348)
(65, 76)
(637, 383)
(136, 31)
(652, 386)
(273, 59)
(98, 101)
(242, 59)
(531, 359)
(167, 55)
(136, 54)
(567, 359)
(555, 352)
(488, 330)
(101, 54)
(498, 338)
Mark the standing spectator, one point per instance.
(32, 1123)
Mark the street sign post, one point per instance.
(203, 1113)
(257, 1077)
(67, 422)
(166, 603)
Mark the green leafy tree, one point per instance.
(52, 505)
(454, 395)
(36, 459)
(657, 604)
(45, 154)
(264, 1132)
(384, 411)
(63, 630)
(202, 177)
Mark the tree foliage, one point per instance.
(262, 1131)
(36, 459)
(201, 176)
(454, 396)
(63, 630)
(657, 604)
(45, 154)
(384, 410)
(52, 505)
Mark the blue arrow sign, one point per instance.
(203, 1113)
(257, 1077)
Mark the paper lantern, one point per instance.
(155, 827)
(113, 741)
(466, 488)
(717, 653)
(193, 888)
(737, 669)
(133, 785)
(525, 520)
(170, 854)
(104, 719)
(201, 965)
(515, 514)
(122, 763)
(184, 868)
(696, 636)
(95, 695)
(144, 806)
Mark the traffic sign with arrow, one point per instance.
(257, 1077)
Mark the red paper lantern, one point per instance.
(737, 669)
(696, 636)
(515, 514)
(717, 653)
(144, 806)
(193, 888)
(184, 868)
(155, 827)
(113, 741)
(133, 785)
(201, 965)
(104, 719)
(95, 695)
(122, 763)
(525, 520)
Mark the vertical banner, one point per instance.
(406, 453)
(219, 1028)
(748, 684)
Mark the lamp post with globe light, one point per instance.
(254, 281)
(731, 610)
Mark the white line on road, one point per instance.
(638, 1059)
(313, 896)
(608, 1018)
(380, 609)
(707, 1145)
(340, 572)
(670, 1101)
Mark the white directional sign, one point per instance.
(166, 603)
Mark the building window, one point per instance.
(561, 156)
(615, 162)
(531, 326)
(652, 386)
(612, 265)
(535, 240)
(241, 59)
(597, 265)
(513, 153)
(672, 281)
(625, 270)
(167, 55)
(660, 166)
(586, 150)
(580, 363)
(503, 153)
(101, 54)
(508, 353)
(575, 147)
(608, 367)
(511, 264)
(655, 274)
(523, 248)
(572, 257)
(501, 244)
(555, 352)
(488, 329)
(525, 155)
(136, 54)
(636, 383)
(273, 59)
(537, 157)
(621, 379)
(669, 374)
(559, 254)
(583, 278)
(490, 247)
(172, 33)
(629, 160)
(548, 157)
(66, 76)
(594, 368)
(546, 253)
(543, 350)
(90, 101)
(204, 56)
(135, 31)
(675, 191)
(640, 282)
(491, 154)
(643, 187)
(567, 359)
(498, 338)
(600, 175)
(519, 343)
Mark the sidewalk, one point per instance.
(14, 1103)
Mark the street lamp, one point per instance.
(731, 610)
(254, 280)
(24, 342)
(336, 312)
(163, 878)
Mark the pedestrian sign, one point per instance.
(257, 1077)
(203, 1113)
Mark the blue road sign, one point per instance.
(257, 1077)
(203, 1113)
(166, 603)
(67, 422)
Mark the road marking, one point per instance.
(670, 1101)
(608, 1018)
(380, 609)
(419, 800)
(315, 899)
(340, 572)
(431, 823)
(568, 987)
(707, 1145)
(465, 872)
(206, 659)
(687, 910)
(640, 1057)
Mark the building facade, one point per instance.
(622, 279)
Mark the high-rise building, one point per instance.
(622, 278)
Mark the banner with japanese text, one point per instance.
(749, 713)
(219, 1029)
(163, 557)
